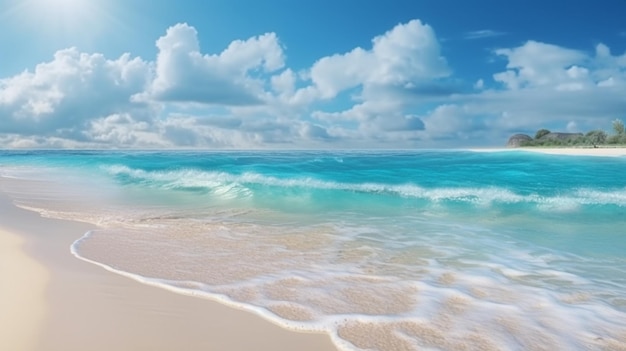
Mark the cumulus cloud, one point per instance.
(86, 99)
(450, 125)
(542, 86)
(403, 66)
(559, 84)
(184, 74)
(538, 64)
(405, 55)
(195, 131)
(65, 94)
(399, 92)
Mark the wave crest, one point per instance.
(246, 184)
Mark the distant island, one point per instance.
(594, 138)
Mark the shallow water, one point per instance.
(402, 250)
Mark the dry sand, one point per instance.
(51, 301)
(23, 283)
(601, 151)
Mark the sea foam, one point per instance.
(381, 250)
(245, 184)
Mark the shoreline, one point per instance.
(74, 305)
(600, 151)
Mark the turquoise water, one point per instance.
(383, 250)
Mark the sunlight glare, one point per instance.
(67, 14)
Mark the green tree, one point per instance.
(618, 127)
(596, 137)
(541, 132)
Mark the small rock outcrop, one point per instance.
(517, 140)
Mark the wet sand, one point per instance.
(51, 301)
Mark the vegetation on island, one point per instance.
(594, 138)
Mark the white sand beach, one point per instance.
(601, 151)
(51, 301)
(22, 294)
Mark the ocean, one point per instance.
(383, 250)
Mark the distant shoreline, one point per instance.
(602, 151)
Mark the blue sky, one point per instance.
(289, 74)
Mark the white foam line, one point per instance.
(222, 299)
(485, 196)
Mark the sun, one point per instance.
(57, 24)
(55, 15)
(65, 10)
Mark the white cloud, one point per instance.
(548, 86)
(572, 127)
(536, 64)
(333, 74)
(610, 82)
(284, 83)
(453, 121)
(69, 91)
(407, 54)
(123, 130)
(397, 93)
(543, 86)
(249, 133)
(184, 74)
(392, 76)
(483, 33)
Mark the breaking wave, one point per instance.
(248, 184)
